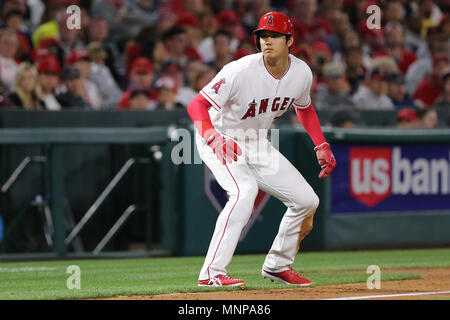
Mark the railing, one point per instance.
(55, 140)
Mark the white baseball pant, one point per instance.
(260, 166)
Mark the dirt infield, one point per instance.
(432, 280)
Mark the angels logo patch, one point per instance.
(216, 86)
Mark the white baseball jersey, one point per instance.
(245, 95)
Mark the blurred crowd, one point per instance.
(157, 54)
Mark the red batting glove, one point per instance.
(225, 148)
(326, 159)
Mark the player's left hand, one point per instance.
(326, 159)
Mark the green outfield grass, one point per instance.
(110, 277)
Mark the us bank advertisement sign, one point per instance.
(391, 178)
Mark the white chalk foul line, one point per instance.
(391, 295)
(27, 269)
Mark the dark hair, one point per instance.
(257, 35)
(421, 112)
(222, 32)
(347, 51)
(342, 116)
(12, 12)
(172, 32)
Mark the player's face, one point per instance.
(274, 44)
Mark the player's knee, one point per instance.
(248, 192)
(306, 203)
(313, 202)
(243, 203)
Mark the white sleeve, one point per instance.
(304, 99)
(220, 90)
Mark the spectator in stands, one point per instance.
(69, 39)
(4, 99)
(174, 71)
(193, 67)
(308, 25)
(395, 46)
(99, 32)
(139, 98)
(344, 119)
(209, 24)
(73, 98)
(397, 91)
(222, 50)
(243, 50)
(255, 9)
(373, 94)
(48, 80)
(49, 46)
(55, 9)
(193, 27)
(431, 87)
(80, 59)
(352, 40)
(227, 20)
(24, 93)
(125, 18)
(176, 43)
(8, 5)
(335, 93)
(430, 14)
(205, 76)
(407, 118)
(444, 100)
(187, 92)
(102, 77)
(167, 92)
(341, 26)
(9, 44)
(14, 20)
(320, 55)
(386, 64)
(394, 12)
(416, 73)
(200, 77)
(427, 118)
(141, 75)
(141, 45)
(166, 20)
(413, 40)
(355, 71)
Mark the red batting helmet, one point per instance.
(274, 21)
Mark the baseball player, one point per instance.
(232, 115)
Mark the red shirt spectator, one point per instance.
(407, 57)
(395, 46)
(141, 75)
(308, 27)
(428, 90)
(431, 87)
(317, 30)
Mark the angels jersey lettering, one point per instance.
(245, 95)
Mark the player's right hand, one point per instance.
(225, 148)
